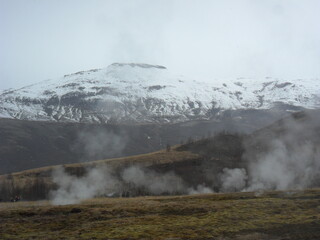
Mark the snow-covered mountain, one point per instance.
(143, 93)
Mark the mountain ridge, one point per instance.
(144, 93)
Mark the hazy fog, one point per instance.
(205, 39)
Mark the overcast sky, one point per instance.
(204, 39)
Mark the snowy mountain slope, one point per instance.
(149, 93)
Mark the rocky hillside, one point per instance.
(142, 93)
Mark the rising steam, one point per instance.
(233, 180)
(100, 181)
(72, 189)
(99, 143)
(155, 183)
(291, 161)
(287, 157)
(283, 168)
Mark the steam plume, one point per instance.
(72, 189)
(291, 159)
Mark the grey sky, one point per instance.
(204, 39)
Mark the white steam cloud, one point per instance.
(284, 168)
(200, 189)
(154, 182)
(97, 144)
(233, 179)
(101, 182)
(286, 157)
(72, 189)
(291, 161)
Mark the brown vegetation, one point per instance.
(35, 184)
(271, 215)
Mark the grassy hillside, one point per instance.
(35, 184)
(271, 215)
(148, 159)
(196, 163)
(33, 144)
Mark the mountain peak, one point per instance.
(144, 93)
(140, 65)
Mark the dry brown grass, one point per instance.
(272, 215)
(22, 181)
(159, 157)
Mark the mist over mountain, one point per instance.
(143, 93)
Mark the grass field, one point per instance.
(271, 215)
